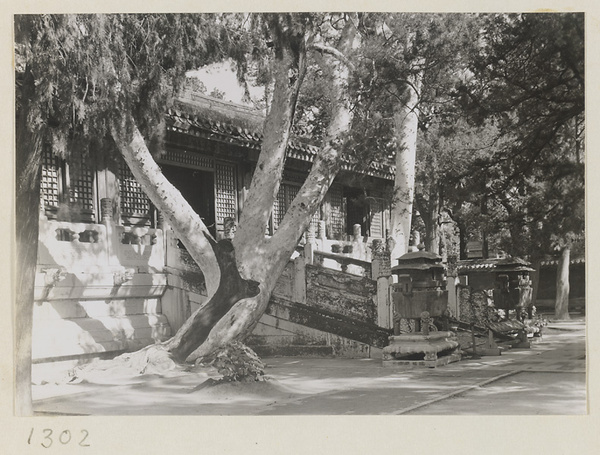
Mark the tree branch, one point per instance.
(334, 53)
(277, 130)
(328, 161)
(186, 223)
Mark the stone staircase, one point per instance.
(294, 329)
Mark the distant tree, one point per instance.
(216, 93)
(410, 65)
(529, 78)
(447, 190)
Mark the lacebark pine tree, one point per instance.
(74, 73)
(411, 63)
(103, 82)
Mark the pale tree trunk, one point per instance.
(289, 71)
(186, 223)
(265, 261)
(28, 177)
(561, 304)
(405, 124)
(242, 273)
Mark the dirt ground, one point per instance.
(547, 379)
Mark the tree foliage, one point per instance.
(503, 146)
(529, 78)
(89, 69)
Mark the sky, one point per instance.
(222, 77)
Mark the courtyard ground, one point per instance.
(547, 379)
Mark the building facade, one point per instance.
(112, 276)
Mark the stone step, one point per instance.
(263, 335)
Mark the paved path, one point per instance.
(549, 378)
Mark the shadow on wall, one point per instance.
(87, 302)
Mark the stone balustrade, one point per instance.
(343, 263)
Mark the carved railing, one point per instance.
(350, 295)
(343, 263)
(72, 244)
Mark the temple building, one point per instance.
(112, 276)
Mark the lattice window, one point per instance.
(188, 158)
(291, 192)
(337, 214)
(294, 177)
(50, 185)
(226, 197)
(134, 202)
(284, 199)
(279, 207)
(67, 189)
(81, 185)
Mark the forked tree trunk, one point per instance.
(276, 133)
(224, 285)
(264, 261)
(561, 304)
(405, 124)
(28, 177)
(243, 273)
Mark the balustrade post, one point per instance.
(299, 283)
(451, 282)
(43, 209)
(356, 233)
(381, 272)
(106, 210)
(160, 220)
(309, 246)
(322, 231)
(113, 242)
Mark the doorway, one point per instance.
(198, 189)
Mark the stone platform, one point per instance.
(405, 349)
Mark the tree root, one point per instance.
(153, 359)
(236, 362)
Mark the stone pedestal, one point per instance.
(419, 349)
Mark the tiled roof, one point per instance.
(193, 120)
(553, 262)
(508, 264)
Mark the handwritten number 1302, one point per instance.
(64, 438)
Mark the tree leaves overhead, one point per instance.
(500, 112)
(89, 70)
(529, 76)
